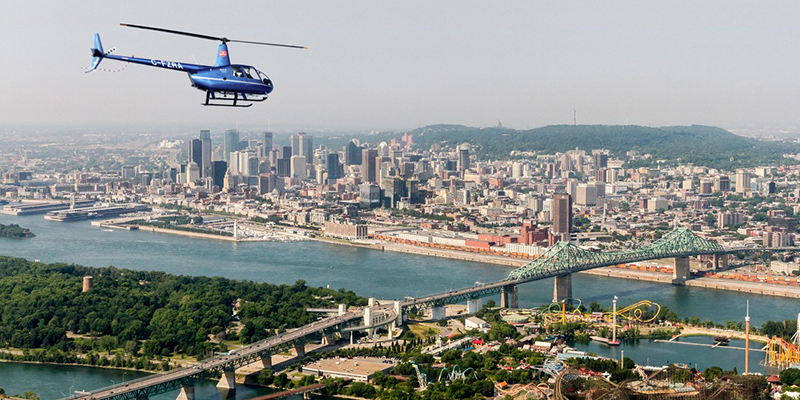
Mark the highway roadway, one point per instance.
(234, 358)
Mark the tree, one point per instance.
(281, 380)
(790, 376)
(712, 373)
(30, 395)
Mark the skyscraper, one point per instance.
(333, 166)
(287, 152)
(299, 167)
(303, 145)
(463, 158)
(196, 152)
(352, 154)
(218, 170)
(231, 143)
(266, 143)
(600, 160)
(368, 157)
(205, 167)
(562, 217)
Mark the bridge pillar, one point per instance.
(187, 392)
(508, 296)
(300, 349)
(371, 302)
(473, 306)
(399, 311)
(437, 313)
(342, 309)
(562, 288)
(720, 261)
(368, 318)
(266, 361)
(680, 273)
(228, 380)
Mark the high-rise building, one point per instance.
(218, 170)
(302, 145)
(230, 144)
(205, 167)
(286, 152)
(193, 171)
(600, 160)
(586, 195)
(299, 167)
(368, 168)
(722, 184)
(284, 167)
(352, 154)
(742, 181)
(333, 166)
(463, 158)
(266, 143)
(562, 216)
(196, 152)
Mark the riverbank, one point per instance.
(174, 232)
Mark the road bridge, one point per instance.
(558, 262)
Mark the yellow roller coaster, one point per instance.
(632, 313)
(781, 353)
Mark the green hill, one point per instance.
(701, 145)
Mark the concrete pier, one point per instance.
(437, 313)
(266, 361)
(228, 380)
(187, 392)
(681, 272)
(509, 297)
(473, 306)
(562, 288)
(300, 350)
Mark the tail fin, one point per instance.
(97, 53)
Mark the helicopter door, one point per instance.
(237, 72)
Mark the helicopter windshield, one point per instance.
(262, 76)
(248, 73)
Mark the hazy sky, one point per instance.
(405, 64)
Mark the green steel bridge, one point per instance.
(565, 258)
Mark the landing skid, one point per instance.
(225, 100)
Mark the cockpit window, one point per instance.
(237, 71)
(247, 73)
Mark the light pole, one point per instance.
(71, 393)
(123, 377)
(113, 384)
(614, 321)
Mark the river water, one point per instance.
(384, 275)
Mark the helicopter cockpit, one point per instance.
(251, 73)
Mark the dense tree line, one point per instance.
(168, 314)
(15, 231)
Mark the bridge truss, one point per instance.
(565, 258)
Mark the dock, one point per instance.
(713, 346)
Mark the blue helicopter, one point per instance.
(225, 84)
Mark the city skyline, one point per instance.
(377, 66)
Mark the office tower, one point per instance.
(196, 152)
(287, 152)
(128, 172)
(266, 143)
(352, 154)
(600, 160)
(193, 171)
(368, 157)
(230, 144)
(302, 145)
(283, 167)
(274, 155)
(333, 166)
(722, 184)
(218, 170)
(252, 165)
(299, 167)
(463, 159)
(244, 163)
(587, 195)
(205, 167)
(562, 216)
(742, 181)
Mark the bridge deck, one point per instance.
(287, 393)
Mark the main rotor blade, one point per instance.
(197, 35)
(222, 39)
(268, 44)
